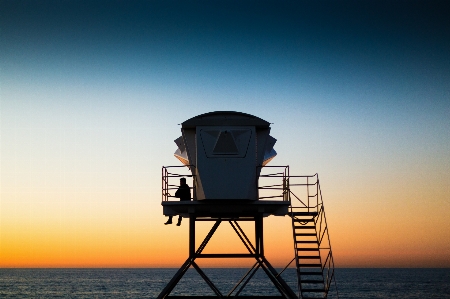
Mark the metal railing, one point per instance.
(273, 182)
(170, 180)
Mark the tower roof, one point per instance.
(225, 118)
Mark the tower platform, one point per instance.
(226, 208)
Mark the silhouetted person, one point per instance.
(183, 193)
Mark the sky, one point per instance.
(92, 94)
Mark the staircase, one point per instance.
(307, 256)
(312, 248)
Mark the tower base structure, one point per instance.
(299, 197)
(255, 251)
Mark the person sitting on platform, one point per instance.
(183, 193)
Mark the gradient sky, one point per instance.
(92, 94)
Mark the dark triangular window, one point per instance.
(225, 144)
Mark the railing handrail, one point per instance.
(165, 180)
(311, 201)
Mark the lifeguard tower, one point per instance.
(225, 155)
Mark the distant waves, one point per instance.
(148, 283)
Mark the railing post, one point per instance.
(317, 192)
(162, 183)
(194, 183)
(257, 180)
(288, 194)
(307, 190)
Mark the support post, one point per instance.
(191, 236)
(259, 235)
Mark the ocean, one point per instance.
(148, 283)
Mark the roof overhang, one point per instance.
(225, 118)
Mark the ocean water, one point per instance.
(148, 283)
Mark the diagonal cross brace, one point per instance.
(261, 262)
(190, 261)
(276, 279)
(206, 278)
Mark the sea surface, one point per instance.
(148, 283)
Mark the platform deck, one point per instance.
(225, 208)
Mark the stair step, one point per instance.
(305, 234)
(311, 265)
(313, 290)
(308, 257)
(303, 214)
(307, 241)
(303, 220)
(310, 273)
(312, 281)
(304, 227)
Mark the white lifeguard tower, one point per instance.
(225, 154)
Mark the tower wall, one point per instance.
(225, 150)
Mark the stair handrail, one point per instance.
(329, 262)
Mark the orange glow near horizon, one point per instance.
(110, 246)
